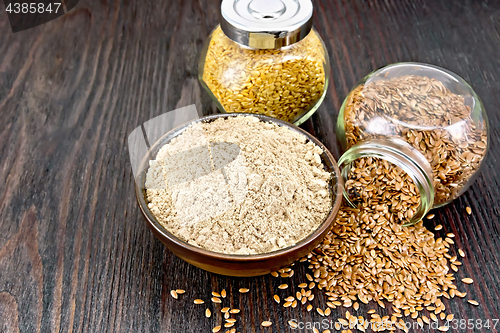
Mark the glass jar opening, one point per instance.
(400, 154)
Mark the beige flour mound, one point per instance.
(238, 185)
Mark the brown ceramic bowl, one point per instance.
(230, 264)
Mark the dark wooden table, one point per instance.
(75, 253)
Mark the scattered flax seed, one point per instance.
(208, 313)
(309, 307)
(302, 285)
(461, 252)
(234, 311)
(283, 286)
(216, 300)
(244, 290)
(276, 298)
(215, 294)
(231, 320)
(473, 302)
(287, 304)
(320, 312)
(348, 315)
(173, 293)
(426, 320)
(450, 317)
(293, 324)
(180, 291)
(224, 310)
(223, 293)
(438, 227)
(315, 330)
(227, 315)
(199, 301)
(355, 306)
(365, 244)
(266, 323)
(468, 210)
(443, 328)
(275, 274)
(430, 216)
(216, 329)
(327, 312)
(467, 280)
(450, 235)
(228, 324)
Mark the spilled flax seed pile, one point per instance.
(239, 185)
(368, 256)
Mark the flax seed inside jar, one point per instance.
(266, 58)
(422, 119)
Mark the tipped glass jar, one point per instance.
(421, 118)
(265, 58)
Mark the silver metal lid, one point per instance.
(266, 24)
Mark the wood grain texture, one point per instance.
(75, 253)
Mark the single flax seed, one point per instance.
(467, 280)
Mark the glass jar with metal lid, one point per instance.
(423, 119)
(265, 58)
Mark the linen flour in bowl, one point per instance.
(240, 185)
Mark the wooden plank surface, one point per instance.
(75, 253)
